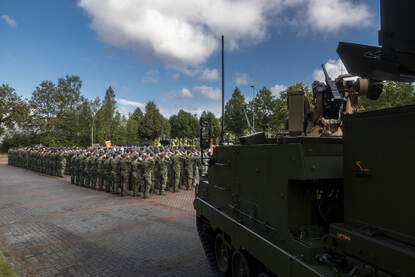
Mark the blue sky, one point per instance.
(169, 51)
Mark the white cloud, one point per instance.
(184, 93)
(8, 20)
(126, 107)
(208, 92)
(334, 69)
(277, 89)
(151, 77)
(242, 79)
(126, 102)
(175, 76)
(332, 15)
(186, 32)
(209, 74)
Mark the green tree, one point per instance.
(215, 127)
(394, 94)
(184, 125)
(105, 116)
(235, 122)
(137, 114)
(44, 108)
(153, 124)
(13, 110)
(264, 106)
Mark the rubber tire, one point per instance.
(239, 262)
(223, 267)
(207, 237)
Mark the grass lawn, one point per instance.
(5, 268)
(3, 156)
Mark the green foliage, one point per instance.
(13, 110)
(394, 94)
(184, 125)
(153, 124)
(215, 127)
(5, 267)
(235, 122)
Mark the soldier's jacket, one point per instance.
(92, 165)
(163, 166)
(148, 166)
(125, 167)
(107, 167)
(82, 164)
(188, 164)
(176, 163)
(100, 166)
(115, 166)
(136, 169)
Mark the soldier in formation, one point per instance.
(141, 171)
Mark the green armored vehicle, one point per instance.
(334, 197)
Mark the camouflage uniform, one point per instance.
(163, 167)
(148, 166)
(136, 176)
(176, 169)
(115, 174)
(100, 172)
(107, 175)
(125, 175)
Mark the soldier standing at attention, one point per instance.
(188, 170)
(136, 174)
(87, 170)
(163, 167)
(73, 168)
(108, 173)
(176, 167)
(115, 172)
(125, 173)
(61, 158)
(100, 171)
(147, 170)
(93, 170)
(82, 162)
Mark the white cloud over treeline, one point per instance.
(186, 33)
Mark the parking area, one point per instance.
(49, 227)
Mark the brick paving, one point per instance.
(49, 227)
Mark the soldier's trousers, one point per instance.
(176, 180)
(108, 182)
(135, 184)
(163, 181)
(189, 180)
(100, 180)
(93, 180)
(124, 183)
(147, 186)
(72, 178)
(116, 180)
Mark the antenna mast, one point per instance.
(223, 91)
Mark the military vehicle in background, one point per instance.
(334, 197)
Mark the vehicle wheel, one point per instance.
(239, 265)
(263, 275)
(222, 254)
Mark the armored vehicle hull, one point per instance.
(296, 206)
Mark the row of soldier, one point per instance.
(115, 170)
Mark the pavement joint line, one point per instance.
(53, 216)
(39, 203)
(34, 193)
(90, 236)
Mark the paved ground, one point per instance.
(49, 227)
